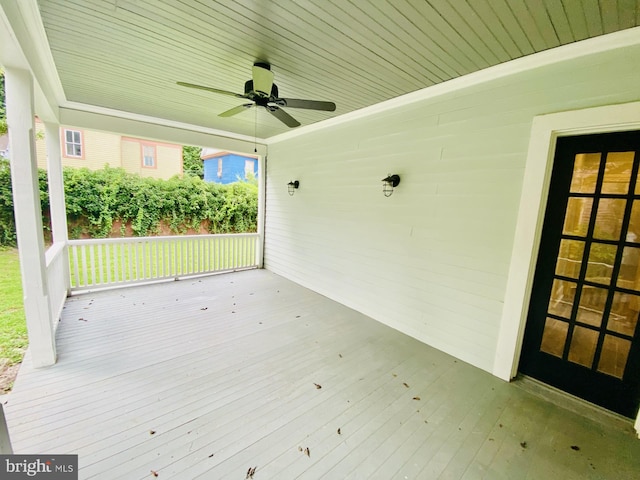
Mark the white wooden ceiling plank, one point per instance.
(403, 66)
(560, 22)
(538, 11)
(413, 39)
(495, 25)
(429, 26)
(609, 13)
(247, 65)
(576, 18)
(626, 13)
(503, 11)
(484, 31)
(593, 17)
(528, 24)
(360, 59)
(446, 10)
(323, 50)
(118, 35)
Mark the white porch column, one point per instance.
(26, 199)
(5, 441)
(56, 192)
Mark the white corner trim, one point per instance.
(544, 132)
(603, 43)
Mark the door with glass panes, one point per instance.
(582, 328)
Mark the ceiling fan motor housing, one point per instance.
(255, 95)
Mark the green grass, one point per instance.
(13, 327)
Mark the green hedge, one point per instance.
(96, 200)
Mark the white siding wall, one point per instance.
(431, 260)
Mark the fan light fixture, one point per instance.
(389, 183)
(292, 186)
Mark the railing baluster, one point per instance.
(143, 254)
(130, 256)
(76, 279)
(100, 265)
(85, 277)
(107, 248)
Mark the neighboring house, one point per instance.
(221, 166)
(95, 150)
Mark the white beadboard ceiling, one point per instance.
(128, 55)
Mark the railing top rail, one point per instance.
(168, 238)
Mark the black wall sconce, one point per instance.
(389, 183)
(292, 186)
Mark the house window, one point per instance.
(148, 156)
(73, 143)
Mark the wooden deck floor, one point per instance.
(208, 378)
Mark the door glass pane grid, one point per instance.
(582, 338)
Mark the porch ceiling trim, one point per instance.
(103, 119)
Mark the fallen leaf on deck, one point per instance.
(307, 452)
(523, 444)
(405, 384)
(152, 432)
(575, 447)
(318, 386)
(339, 433)
(211, 455)
(204, 308)
(340, 355)
(82, 320)
(416, 398)
(299, 449)
(154, 473)
(250, 472)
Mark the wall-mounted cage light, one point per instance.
(292, 186)
(389, 183)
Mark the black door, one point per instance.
(582, 332)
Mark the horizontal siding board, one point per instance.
(431, 260)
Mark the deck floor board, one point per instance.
(206, 378)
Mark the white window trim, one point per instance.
(153, 158)
(67, 143)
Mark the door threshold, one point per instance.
(572, 403)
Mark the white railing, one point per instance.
(109, 262)
(56, 265)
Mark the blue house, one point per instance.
(225, 167)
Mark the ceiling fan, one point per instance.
(264, 93)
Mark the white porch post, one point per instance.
(5, 441)
(56, 192)
(26, 199)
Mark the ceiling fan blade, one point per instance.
(283, 116)
(262, 78)
(210, 89)
(236, 110)
(310, 104)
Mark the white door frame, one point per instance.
(533, 201)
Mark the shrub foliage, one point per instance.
(96, 201)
